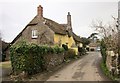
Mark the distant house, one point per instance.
(94, 45)
(42, 30)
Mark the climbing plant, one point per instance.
(29, 57)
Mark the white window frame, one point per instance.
(34, 34)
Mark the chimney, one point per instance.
(40, 11)
(69, 21)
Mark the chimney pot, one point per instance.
(68, 13)
(40, 11)
(69, 23)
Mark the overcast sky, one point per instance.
(16, 14)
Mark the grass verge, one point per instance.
(107, 72)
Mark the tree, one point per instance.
(85, 41)
(109, 33)
(92, 35)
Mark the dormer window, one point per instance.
(34, 34)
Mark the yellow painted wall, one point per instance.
(63, 39)
(76, 50)
(80, 44)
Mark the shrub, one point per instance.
(29, 57)
(70, 54)
(57, 50)
(103, 50)
(65, 47)
(108, 73)
(104, 68)
(82, 50)
(87, 49)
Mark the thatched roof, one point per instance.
(71, 33)
(76, 38)
(64, 25)
(57, 28)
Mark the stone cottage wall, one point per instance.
(44, 33)
(52, 60)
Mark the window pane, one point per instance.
(34, 34)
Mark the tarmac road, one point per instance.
(84, 69)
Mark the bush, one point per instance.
(70, 54)
(108, 73)
(65, 47)
(87, 49)
(82, 50)
(103, 50)
(105, 69)
(29, 57)
(57, 50)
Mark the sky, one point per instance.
(16, 14)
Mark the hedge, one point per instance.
(29, 57)
(103, 50)
(70, 54)
(82, 50)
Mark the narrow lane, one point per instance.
(84, 69)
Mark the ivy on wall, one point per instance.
(29, 57)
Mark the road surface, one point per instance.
(84, 69)
(5, 70)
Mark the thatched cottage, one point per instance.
(42, 30)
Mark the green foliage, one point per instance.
(108, 73)
(103, 50)
(85, 41)
(29, 57)
(58, 50)
(82, 50)
(65, 47)
(105, 70)
(103, 65)
(92, 35)
(70, 54)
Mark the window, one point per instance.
(34, 34)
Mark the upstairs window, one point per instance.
(34, 34)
